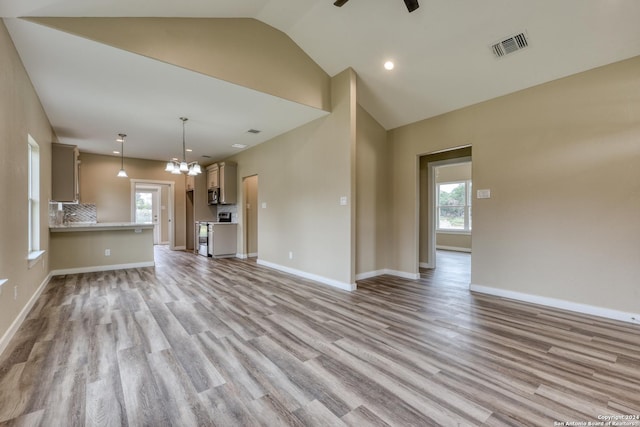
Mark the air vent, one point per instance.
(254, 131)
(510, 45)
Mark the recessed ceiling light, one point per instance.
(116, 152)
(389, 65)
(239, 146)
(175, 159)
(188, 150)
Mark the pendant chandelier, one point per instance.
(122, 137)
(176, 167)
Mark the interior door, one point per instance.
(147, 209)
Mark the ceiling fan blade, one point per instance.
(340, 3)
(411, 4)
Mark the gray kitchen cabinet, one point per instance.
(228, 183)
(213, 176)
(64, 173)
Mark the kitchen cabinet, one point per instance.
(223, 239)
(228, 183)
(213, 176)
(190, 183)
(64, 173)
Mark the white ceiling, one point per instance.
(442, 52)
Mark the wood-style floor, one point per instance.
(198, 342)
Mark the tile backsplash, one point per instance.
(72, 212)
(230, 208)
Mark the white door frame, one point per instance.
(431, 206)
(170, 203)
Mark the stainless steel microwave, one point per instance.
(213, 196)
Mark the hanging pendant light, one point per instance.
(176, 167)
(122, 173)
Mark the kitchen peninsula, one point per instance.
(99, 246)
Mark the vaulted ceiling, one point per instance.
(442, 54)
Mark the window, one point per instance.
(454, 206)
(33, 164)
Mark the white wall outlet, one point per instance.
(343, 201)
(264, 205)
(484, 194)
(290, 255)
(107, 252)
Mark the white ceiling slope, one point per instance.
(442, 55)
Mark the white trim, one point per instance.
(558, 303)
(453, 248)
(369, 274)
(2, 282)
(242, 256)
(425, 265)
(402, 274)
(33, 258)
(95, 268)
(310, 276)
(178, 248)
(4, 341)
(252, 255)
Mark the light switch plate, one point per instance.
(343, 201)
(264, 205)
(484, 194)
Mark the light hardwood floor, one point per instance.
(198, 342)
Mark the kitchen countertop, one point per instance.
(98, 226)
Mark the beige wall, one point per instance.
(81, 249)
(20, 115)
(243, 51)
(373, 178)
(112, 195)
(303, 174)
(561, 160)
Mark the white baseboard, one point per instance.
(426, 265)
(558, 303)
(93, 269)
(179, 248)
(453, 248)
(4, 341)
(245, 256)
(310, 276)
(369, 274)
(403, 274)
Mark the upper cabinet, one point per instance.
(228, 183)
(64, 173)
(222, 177)
(213, 180)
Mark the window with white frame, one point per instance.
(34, 196)
(454, 206)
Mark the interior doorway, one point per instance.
(152, 203)
(250, 190)
(445, 208)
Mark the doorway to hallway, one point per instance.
(445, 216)
(454, 269)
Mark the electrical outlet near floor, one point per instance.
(107, 252)
(290, 255)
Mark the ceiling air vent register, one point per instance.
(510, 45)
